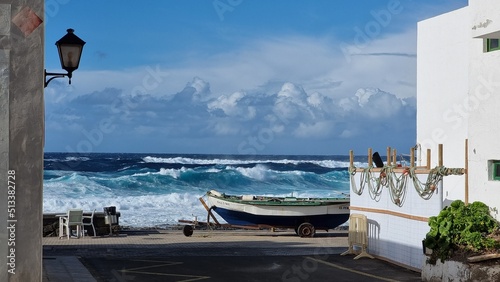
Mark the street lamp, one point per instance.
(70, 49)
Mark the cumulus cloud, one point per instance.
(231, 106)
(322, 128)
(195, 114)
(275, 95)
(317, 64)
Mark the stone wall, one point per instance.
(460, 271)
(21, 139)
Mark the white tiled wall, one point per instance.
(394, 237)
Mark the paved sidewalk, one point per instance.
(167, 237)
(65, 269)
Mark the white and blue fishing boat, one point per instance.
(305, 215)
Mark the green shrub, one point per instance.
(461, 226)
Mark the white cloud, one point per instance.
(317, 64)
(348, 133)
(316, 100)
(230, 106)
(315, 130)
(272, 81)
(225, 128)
(364, 95)
(293, 87)
(285, 115)
(387, 62)
(202, 88)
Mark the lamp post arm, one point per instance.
(54, 75)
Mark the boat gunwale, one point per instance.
(282, 201)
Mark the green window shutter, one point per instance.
(496, 170)
(492, 44)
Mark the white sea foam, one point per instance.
(259, 172)
(137, 211)
(174, 173)
(184, 160)
(73, 159)
(151, 196)
(124, 168)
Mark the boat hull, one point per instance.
(322, 221)
(323, 215)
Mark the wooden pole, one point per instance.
(209, 211)
(483, 257)
(412, 156)
(428, 158)
(420, 170)
(394, 157)
(388, 156)
(466, 171)
(370, 161)
(351, 158)
(440, 155)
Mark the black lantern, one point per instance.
(70, 49)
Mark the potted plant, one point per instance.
(461, 230)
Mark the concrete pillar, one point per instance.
(21, 139)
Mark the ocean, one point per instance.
(158, 190)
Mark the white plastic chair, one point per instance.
(88, 220)
(74, 218)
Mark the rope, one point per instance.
(375, 190)
(366, 178)
(426, 190)
(397, 184)
(352, 172)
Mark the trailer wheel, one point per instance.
(306, 230)
(188, 230)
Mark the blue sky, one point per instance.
(236, 76)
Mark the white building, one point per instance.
(458, 97)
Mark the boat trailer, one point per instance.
(304, 230)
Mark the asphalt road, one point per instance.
(210, 255)
(320, 267)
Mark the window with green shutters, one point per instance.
(495, 170)
(492, 44)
